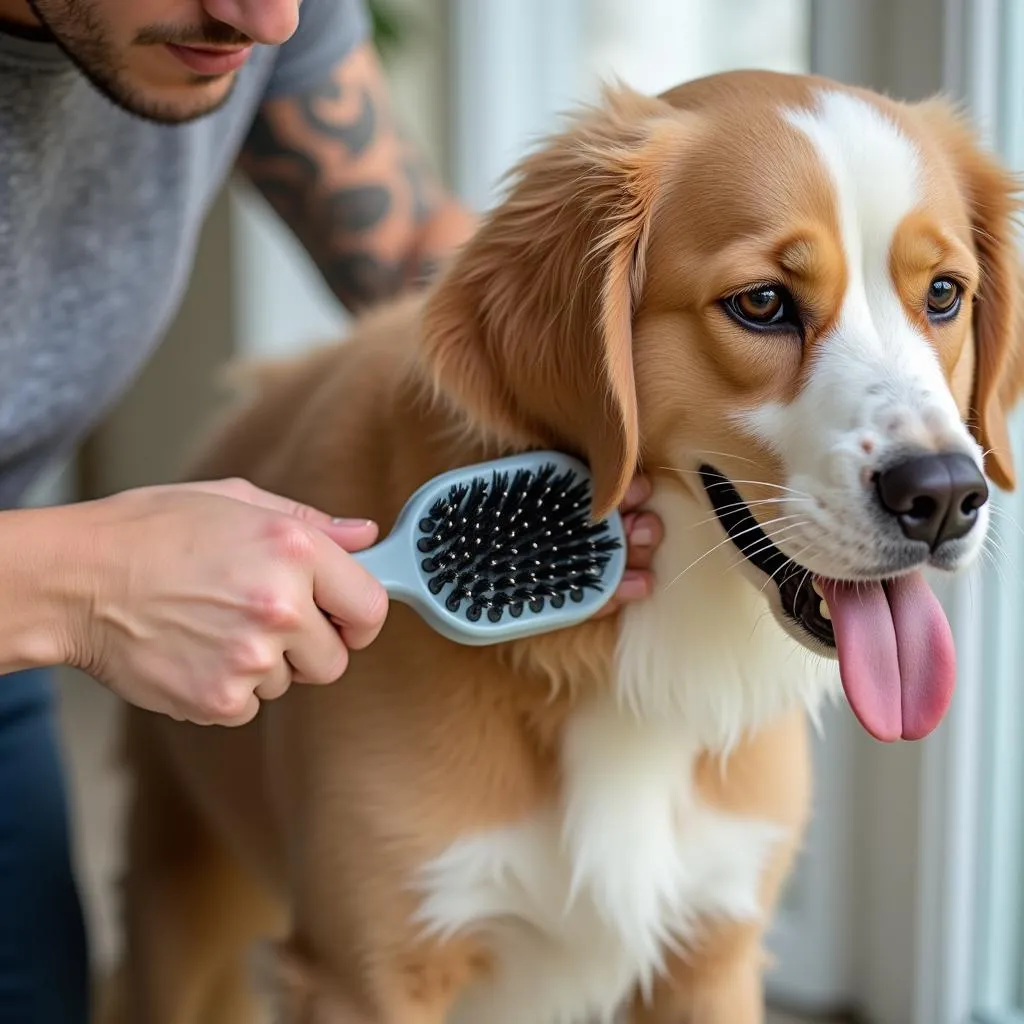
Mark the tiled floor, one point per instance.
(89, 719)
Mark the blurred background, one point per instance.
(908, 904)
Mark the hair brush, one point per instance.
(501, 550)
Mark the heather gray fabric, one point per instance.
(99, 217)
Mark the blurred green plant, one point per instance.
(391, 28)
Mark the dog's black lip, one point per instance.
(800, 602)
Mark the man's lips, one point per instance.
(209, 60)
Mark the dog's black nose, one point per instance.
(935, 498)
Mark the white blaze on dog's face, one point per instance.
(875, 394)
(796, 294)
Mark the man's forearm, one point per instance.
(355, 191)
(39, 588)
(447, 227)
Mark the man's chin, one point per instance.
(175, 104)
(181, 105)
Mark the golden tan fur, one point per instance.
(580, 316)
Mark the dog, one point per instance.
(795, 305)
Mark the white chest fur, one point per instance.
(581, 902)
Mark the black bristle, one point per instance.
(508, 544)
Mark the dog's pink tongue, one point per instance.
(896, 654)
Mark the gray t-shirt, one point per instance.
(99, 217)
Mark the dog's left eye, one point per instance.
(766, 307)
(944, 296)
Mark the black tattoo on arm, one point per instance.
(356, 192)
(355, 136)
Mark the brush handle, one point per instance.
(391, 562)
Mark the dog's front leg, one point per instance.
(417, 988)
(726, 990)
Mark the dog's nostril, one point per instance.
(972, 502)
(922, 508)
(934, 498)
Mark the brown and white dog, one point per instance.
(795, 305)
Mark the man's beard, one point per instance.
(81, 36)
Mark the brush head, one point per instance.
(502, 549)
(515, 543)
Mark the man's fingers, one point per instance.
(349, 595)
(318, 654)
(644, 532)
(242, 717)
(635, 585)
(252, 707)
(640, 489)
(276, 683)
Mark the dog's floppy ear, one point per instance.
(993, 198)
(530, 330)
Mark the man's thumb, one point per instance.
(351, 534)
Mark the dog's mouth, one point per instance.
(891, 635)
(799, 591)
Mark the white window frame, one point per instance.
(991, 898)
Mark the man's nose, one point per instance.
(270, 22)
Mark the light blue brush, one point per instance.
(502, 550)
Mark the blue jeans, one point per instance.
(44, 968)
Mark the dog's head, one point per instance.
(800, 297)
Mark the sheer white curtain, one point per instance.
(519, 66)
(995, 952)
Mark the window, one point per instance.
(997, 960)
(655, 44)
(519, 66)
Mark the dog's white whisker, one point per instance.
(726, 455)
(782, 502)
(766, 544)
(729, 538)
(1005, 516)
(749, 483)
(810, 547)
(716, 518)
(998, 564)
(799, 587)
(988, 558)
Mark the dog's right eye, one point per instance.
(766, 307)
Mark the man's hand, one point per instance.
(204, 599)
(644, 532)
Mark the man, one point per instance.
(119, 123)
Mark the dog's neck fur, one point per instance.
(703, 653)
(705, 650)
